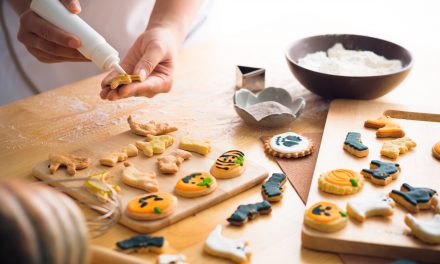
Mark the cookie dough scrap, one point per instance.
(169, 163)
(155, 144)
(340, 182)
(142, 244)
(150, 128)
(361, 208)
(230, 164)
(354, 145)
(325, 217)
(71, 162)
(133, 177)
(171, 259)
(273, 188)
(236, 250)
(195, 145)
(288, 145)
(436, 150)
(413, 198)
(381, 173)
(151, 206)
(97, 184)
(386, 127)
(124, 79)
(195, 185)
(247, 212)
(426, 231)
(119, 156)
(393, 148)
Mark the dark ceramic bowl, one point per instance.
(355, 87)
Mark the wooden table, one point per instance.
(253, 33)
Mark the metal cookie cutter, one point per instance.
(250, 78)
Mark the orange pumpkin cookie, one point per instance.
(196, 184)
(325, 217)
(229, 165)
(151, 206)
(341, 182)
(436, 150)
(386, 127)
(288, 145)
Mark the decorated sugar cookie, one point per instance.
(381, 173)
(248, 212)
(361, 208)
(288, 145)
(229, 165)
(98, 185)
(155, 144)
(436, 150)
(354, 145)
(386, 127)
(436, 204)
(413, 198)
(171, 259)
(325, 217)
(236, 250)
(151, 206)
(195, 145)
(393, 148)
(341, 182)
(427, 231)
(142, 244)
(196, 184)
(142, 180)
(273, 188)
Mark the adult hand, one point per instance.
(47, 42)
(152, 56)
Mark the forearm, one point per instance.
(19, 6)
(176, 15)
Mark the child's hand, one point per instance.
(152, 56)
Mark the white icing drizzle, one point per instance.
(233, 247)
(428, 231)
(372, 207)
(174, 259)
(283, 147)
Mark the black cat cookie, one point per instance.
(381, 173)
(273, 188)
(413, 198)
(247, 212)
(141, 243)
(354, 145)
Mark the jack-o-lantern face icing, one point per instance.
(151, 206)
(230, 164)
(196, 184)
(325, 217)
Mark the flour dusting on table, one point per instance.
(263, 109)
(339, 61)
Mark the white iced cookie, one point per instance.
(362, 208)
(138, 179)
(171, 259)
(288, 145)
(233, 249)
(427, 231)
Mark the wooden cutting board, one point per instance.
(377, 236)
(227, 188)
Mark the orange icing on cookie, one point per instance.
(228, 161)
(437, 147)
(148, 203)
(324, 212)
(341, 177)
(196, 182)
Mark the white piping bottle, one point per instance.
(93, 45)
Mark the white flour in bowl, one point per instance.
(339, 61)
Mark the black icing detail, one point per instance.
(186, 179)
(288, 141)
(353, 139)
(414, 195)
(227, 159)
(319, 211)
(140, 241)
(383, 170)
(249, 210)
(274, 185)
(143, 200)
